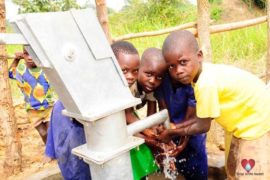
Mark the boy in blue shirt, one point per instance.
(180, 102)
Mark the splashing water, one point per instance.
(169, 171)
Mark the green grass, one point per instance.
(245, 48)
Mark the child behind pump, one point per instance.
(64, 134)
(36, 89)
(129, 60)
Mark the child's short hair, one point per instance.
(154, 53)
(180, 38)
(123, 47)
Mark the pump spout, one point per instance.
(148, 122)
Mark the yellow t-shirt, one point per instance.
(235, 98)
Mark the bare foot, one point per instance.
(46, 160)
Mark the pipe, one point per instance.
(150, 121)
(167, 124)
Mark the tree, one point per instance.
(103, 17)
(29, 6)
(8, 125)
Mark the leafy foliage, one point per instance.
(28, 6)
(152, 15)
(216, 13)
(215, 9)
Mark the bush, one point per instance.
(216, 13)
(153, 15)
(260, 3)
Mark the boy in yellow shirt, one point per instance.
(236, 99)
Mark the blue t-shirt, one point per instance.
(192, 161)
(177, 98)
(64, 134)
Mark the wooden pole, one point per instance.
(232, 26)
(155, 33)
(103, 17)
(203, 29)
(216, 133)
(12, 162)
(267, 70)
(190, 26)
(237, 25)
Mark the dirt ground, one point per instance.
(235, 10)
(33, 149)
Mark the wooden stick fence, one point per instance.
(155, 33)
(191, 27)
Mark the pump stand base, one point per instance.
(102, 157)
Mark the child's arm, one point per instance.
(191, 112)
(161, 104)
(190, 127)
(151, 103)
(191, 109)
(13, 66)
(18, 57)
(130, 116)
(151, 107)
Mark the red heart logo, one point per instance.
(248, 164)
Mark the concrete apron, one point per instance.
(215, 161)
